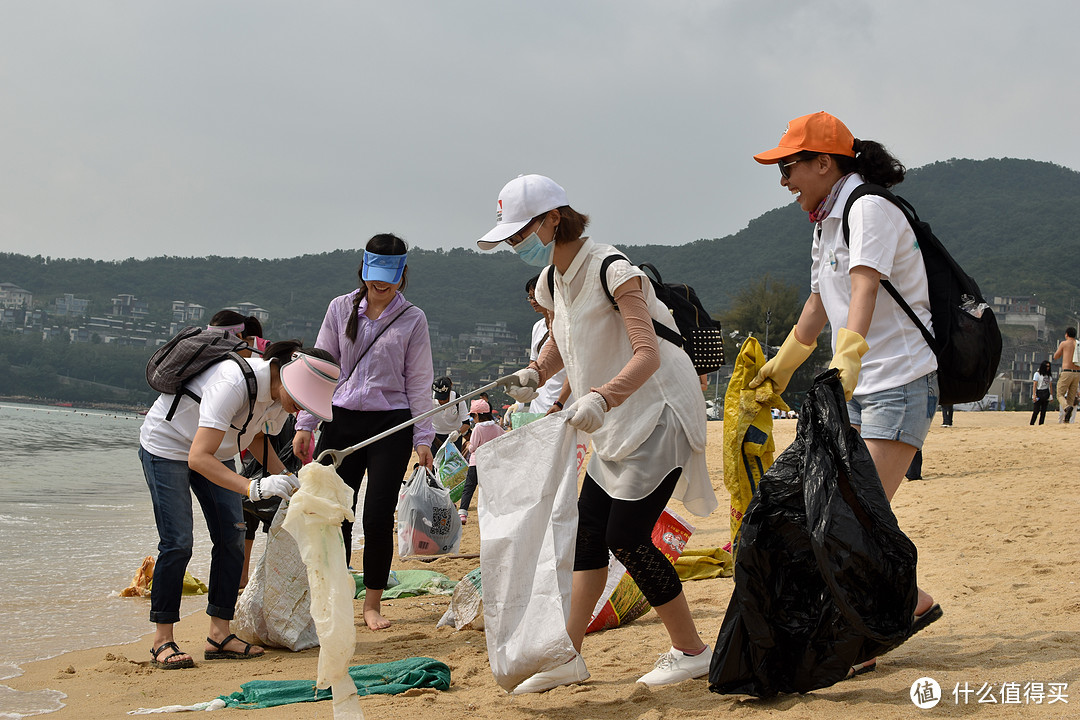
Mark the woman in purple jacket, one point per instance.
(381, 342)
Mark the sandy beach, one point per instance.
(994, 520)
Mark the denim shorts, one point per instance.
(902, 413)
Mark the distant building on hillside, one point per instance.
(13, 296)
(184, 314)
(248, 308)
(490, 334)
(1021, 311)
(129, 306)
(187, 312)
(70, 306)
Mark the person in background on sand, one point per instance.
(889, 373)
(1041, 382)
(914, 471)
(1069, 379)
(382, 343)
(555, 393)
(641, 401)
(452, 422)
(193, 454)
(946, 415)
(484, 429)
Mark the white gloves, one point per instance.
(453, 437)
(587, 413)
(522, 385)
(282, 486)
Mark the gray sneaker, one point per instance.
(675, 666)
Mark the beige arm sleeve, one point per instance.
(549, 361)
(639, 328)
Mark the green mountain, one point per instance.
(1009, 222)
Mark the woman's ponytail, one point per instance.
(874, 163)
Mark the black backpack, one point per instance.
(191, 351)
(966, 339)
(699, 335)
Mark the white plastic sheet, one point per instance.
(528, 527)
(314, 520)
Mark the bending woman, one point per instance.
(382, 343)
(888, 371)
(642, 403)
(193, 454)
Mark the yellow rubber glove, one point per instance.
(783, 365)
(850, 347)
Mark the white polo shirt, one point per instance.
(881, 239)
(224, 404)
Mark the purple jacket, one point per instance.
(394, 374)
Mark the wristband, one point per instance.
(559, 403)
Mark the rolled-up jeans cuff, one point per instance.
(220, 612)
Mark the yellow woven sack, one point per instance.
(748, 443)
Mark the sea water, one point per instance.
(76, 522)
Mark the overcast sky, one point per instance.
(274, 129)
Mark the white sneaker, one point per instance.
(675, 666)
(566, 674)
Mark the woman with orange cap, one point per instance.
(888, 371)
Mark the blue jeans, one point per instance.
(171, 485)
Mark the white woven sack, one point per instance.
(528, 527)
(275, 607)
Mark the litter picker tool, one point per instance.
(336, 456)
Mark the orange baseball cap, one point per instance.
(820, 132)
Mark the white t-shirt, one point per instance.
(549, 393)
(450, 419)
(1042, 382)
(224, 404)
(881, 239)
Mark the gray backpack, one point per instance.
(191, 351)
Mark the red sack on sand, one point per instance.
(622, 601)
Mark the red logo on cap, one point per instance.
(498, 213)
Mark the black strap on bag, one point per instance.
(379, 335)
(662, 330)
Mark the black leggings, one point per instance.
(386, 463)
(625, 526)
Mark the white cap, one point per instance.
(520, 200)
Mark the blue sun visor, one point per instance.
(384, 268)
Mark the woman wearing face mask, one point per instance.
(191, 454)
(888, 371)
(640, 399)
(382, 343)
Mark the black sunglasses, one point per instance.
(784, 172)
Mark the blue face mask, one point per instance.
(533, 251)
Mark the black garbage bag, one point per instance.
(824, 578)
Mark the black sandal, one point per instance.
(222, 654)
(165, 664)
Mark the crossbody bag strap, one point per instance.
(379, 335)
